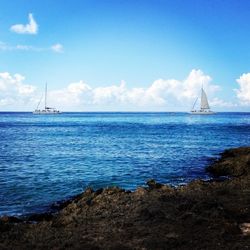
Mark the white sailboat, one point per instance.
(204, 106)
(47, 110)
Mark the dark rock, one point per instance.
(10, 219)
(153, 184)
(233, 162)
(98, 191)
(39, 217)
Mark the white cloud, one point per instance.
(168, 92)
(243, 93)
(72, 97)
(7, 47)
(162, 94)
(109, 94)
(29, 28)
(171, 92)
(23, 47)
(58, 48)
(216, 102)
(13, 91)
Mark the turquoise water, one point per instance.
(44, 159)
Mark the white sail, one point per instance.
(204, 101)
(204, 106)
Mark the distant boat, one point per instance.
(47, 110)
(204, 106)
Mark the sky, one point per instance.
(124, 55)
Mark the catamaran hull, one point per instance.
(46, 113)
(201, 113)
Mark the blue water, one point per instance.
(44, 159)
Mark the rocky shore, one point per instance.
(201, 215)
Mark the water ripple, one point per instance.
(48, 158)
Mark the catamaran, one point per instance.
(47, 110)
(204, 106)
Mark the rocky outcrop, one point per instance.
(200, 215)
(233, 162)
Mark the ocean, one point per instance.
(44, 159)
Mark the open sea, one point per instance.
(44, 159)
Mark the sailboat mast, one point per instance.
(45, 95)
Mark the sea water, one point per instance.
(44, 159)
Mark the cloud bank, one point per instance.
(14, 93)
(243, 93)
(161, 95)
(29, 28)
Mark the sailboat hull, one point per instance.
(46, 112)
(202, 113)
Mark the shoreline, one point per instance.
(199, 215)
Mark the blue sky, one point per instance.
(104, 42)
